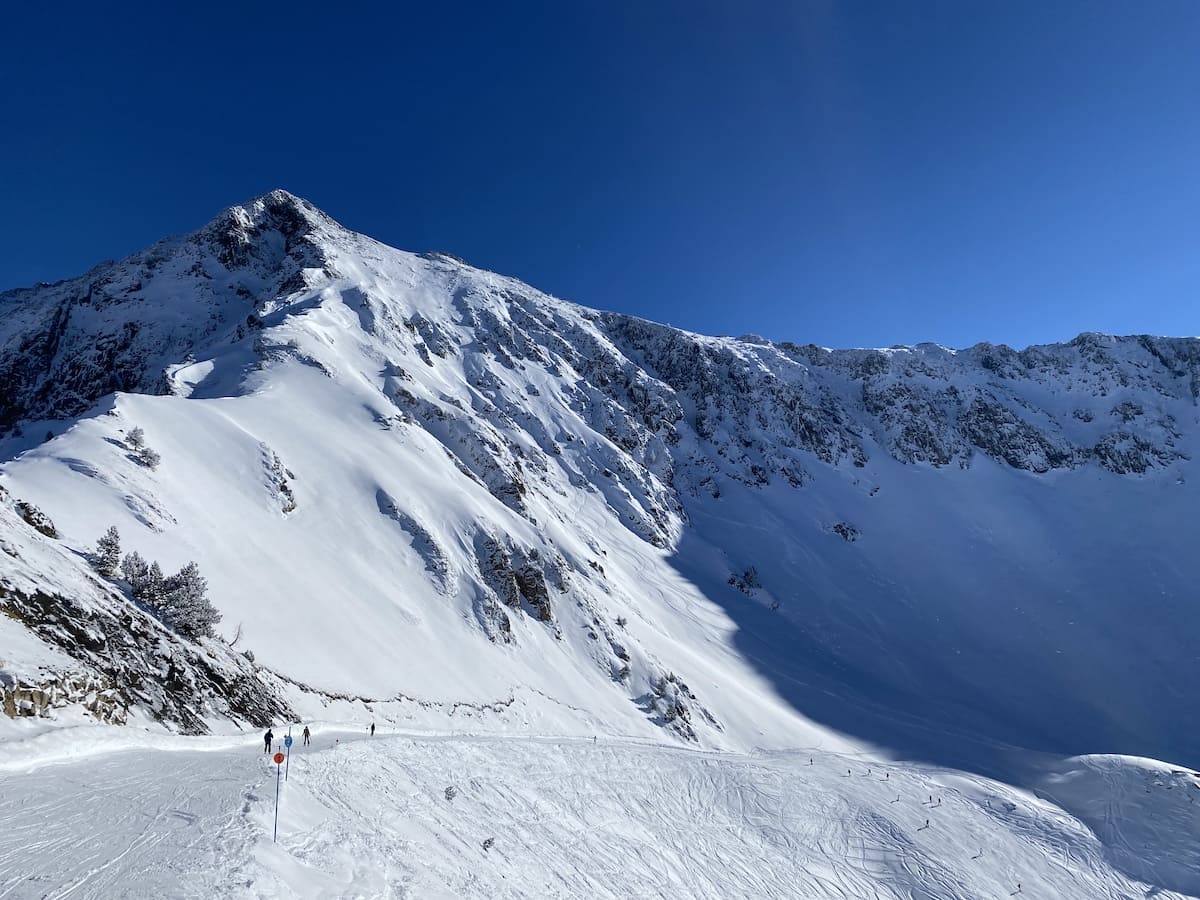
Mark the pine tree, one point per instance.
(153, 589)
(149, 458)
(186, 606)
(108, 552)
(136, 438)
(135, 569)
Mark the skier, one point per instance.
(267, 738)
(306, 735)
(372, 729)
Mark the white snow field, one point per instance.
(501, 524)
(372, 817)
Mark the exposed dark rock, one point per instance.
(1126, 453)
(141, 663)
(846, 532)
(1000, 433)
(35, 518)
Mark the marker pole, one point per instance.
(278, 759)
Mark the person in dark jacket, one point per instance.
(305, 735)
(372, 729)
(267, 738)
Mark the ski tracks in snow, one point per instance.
(616, 819)
(127, 824)
(368, 818)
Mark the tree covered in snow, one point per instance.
(185, 603)
(145, 580)
(108, 552)
(135, 569)
(153, 588)
(180, 600)
(136, 439)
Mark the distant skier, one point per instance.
(306, 735)
(372, 729)
(267, 738)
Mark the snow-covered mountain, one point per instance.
(640, 612)
(417, 484)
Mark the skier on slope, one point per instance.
(267, 738)
(306, 735)
(372, 729)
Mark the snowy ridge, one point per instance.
(423, 491)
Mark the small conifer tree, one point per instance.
(153, 589)
(186, 606)
(108, 552)
(135, 569)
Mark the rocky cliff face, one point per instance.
(762, 409)
(116, 328)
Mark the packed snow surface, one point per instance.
(409, 816)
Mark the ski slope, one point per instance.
(369, 817)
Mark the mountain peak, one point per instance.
(238, 230)
(277, 210)
(280, 195)
(282, 205)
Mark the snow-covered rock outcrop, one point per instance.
(70, 637)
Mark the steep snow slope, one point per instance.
(409, 479)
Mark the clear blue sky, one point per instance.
(858, 173)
